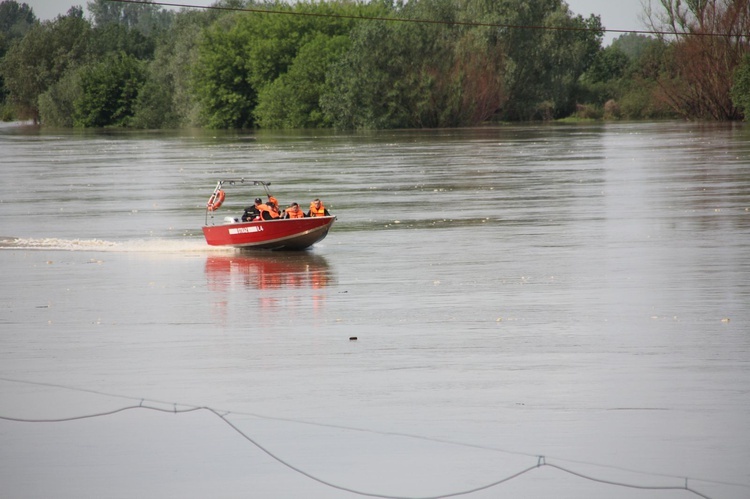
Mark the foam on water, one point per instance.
(127, 246)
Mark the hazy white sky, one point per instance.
(619, 14)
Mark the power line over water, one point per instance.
(223, 415)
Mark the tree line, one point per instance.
(354, 64)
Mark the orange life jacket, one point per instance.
(290, 213)
(265, 208)
(319, 211)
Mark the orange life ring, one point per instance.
(216, 200)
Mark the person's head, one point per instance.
(258, 201)
(316, 202)
(295, 206)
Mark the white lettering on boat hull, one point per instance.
(246, 230)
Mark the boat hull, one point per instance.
(279, 234)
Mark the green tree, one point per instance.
(445, 74)
(639, 91)
(149, 20)
(622, 80)
(570, 53)
(99, 87)
(293, 99)
(166, 99)
(42, 57)
(15, 20)
(109, 90)
(222, 79)
(57, 104)
(153, 107)
(466, 88)
(239, 55)
(632, 44)
(118, 38)
(741, 87)
(544, 64)
(132, 28)
(611, 63)
(602, 81)
(697, 82)
(391, 76)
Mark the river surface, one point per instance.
(567, 302)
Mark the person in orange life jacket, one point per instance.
(317, 209)
(268, 211)
(251, 212)
(273, 203)
(294, 212)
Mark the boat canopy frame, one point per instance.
(233, 182)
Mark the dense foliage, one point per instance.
(367, 64)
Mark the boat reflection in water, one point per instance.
(294, 280)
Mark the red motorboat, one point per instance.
(274, 234)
